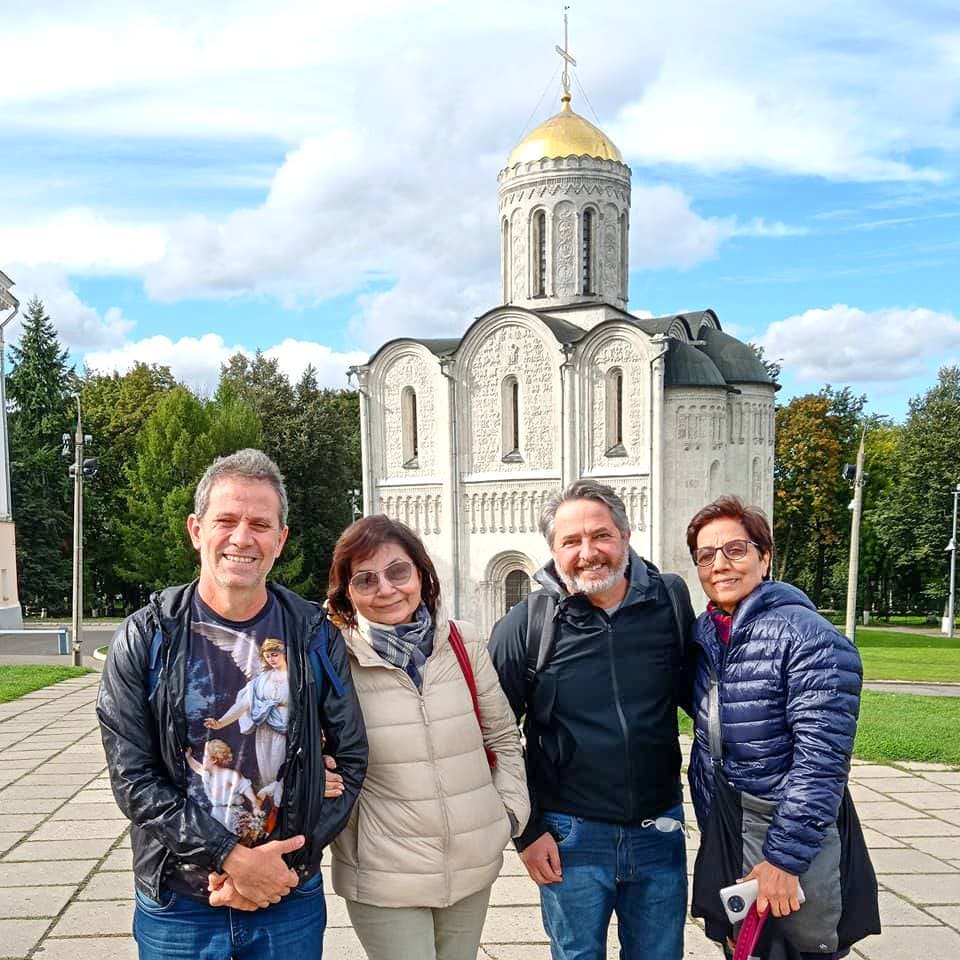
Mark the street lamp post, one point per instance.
(858, 477)
(952, 548)
(79, 469)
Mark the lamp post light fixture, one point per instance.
(952, 550)
(80, 468)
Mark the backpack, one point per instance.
(323, 668)
(542, 616)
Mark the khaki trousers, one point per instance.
(421, 933)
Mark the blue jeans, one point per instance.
(638, 872)
(179, 928)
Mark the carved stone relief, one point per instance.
(511, 349)
(565, 249)
(419, 508)
(616, 353)
(518, 257)
(408, 369)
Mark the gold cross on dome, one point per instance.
(565, 54)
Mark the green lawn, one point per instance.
(899, 726)
(17, 680)
(890, 655)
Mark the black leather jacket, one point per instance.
(144, 737)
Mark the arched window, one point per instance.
(539, 254)
(515, 588)
(586, 252)
(614, 413)
(408, 428)
(510, 419)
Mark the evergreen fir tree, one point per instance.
(39, 388)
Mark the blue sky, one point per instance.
(181, 183)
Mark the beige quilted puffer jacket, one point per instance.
(431, 823)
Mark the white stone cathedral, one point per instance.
(464, 439)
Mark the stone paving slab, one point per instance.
(34, 901)
(912, 943)
(88, 948)
(19, 936)
(44, 871)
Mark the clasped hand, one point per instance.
(255, 877)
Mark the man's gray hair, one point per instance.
(248, 464)
(583, 489)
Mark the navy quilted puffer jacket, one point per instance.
(789, 698)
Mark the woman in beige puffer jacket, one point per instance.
(425, 841)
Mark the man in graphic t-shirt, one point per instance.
(216, 701)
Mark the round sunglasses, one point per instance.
(367, 582)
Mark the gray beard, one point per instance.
(574, 585)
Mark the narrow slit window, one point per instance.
(614, 414)
(586, 252)
(510, 419)
(540, 254)
(409, 429)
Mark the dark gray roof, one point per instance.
(734, 359)
(439, 346)
(686, 366)
(563, 330)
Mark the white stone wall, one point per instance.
(564, 189)
(509, 347)
(621, 351)
(414, 368)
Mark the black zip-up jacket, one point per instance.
(145, 737)
(601, 716)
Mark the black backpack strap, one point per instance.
(679, 601)
(541, 608)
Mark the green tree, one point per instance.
(39, 389)
(115, 408)
(914, 517)
(178, 441)
(816, 434)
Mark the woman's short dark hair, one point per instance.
(361, 540)
(729, 507)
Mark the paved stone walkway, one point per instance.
(66, 886)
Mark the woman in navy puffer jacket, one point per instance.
(789, 695)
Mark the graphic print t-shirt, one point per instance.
(237, 708)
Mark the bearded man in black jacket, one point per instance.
(600, 716)
(217, 703)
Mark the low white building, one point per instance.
(463, 439)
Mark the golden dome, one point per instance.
(565, 134)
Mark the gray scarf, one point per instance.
(405, 645)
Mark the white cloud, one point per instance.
(294, 356)
(197, 360)
(843, 344)
(82, 241)
(79, 326)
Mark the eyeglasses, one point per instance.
(732, 550)
(367, 582)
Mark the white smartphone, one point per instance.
(738, 898)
